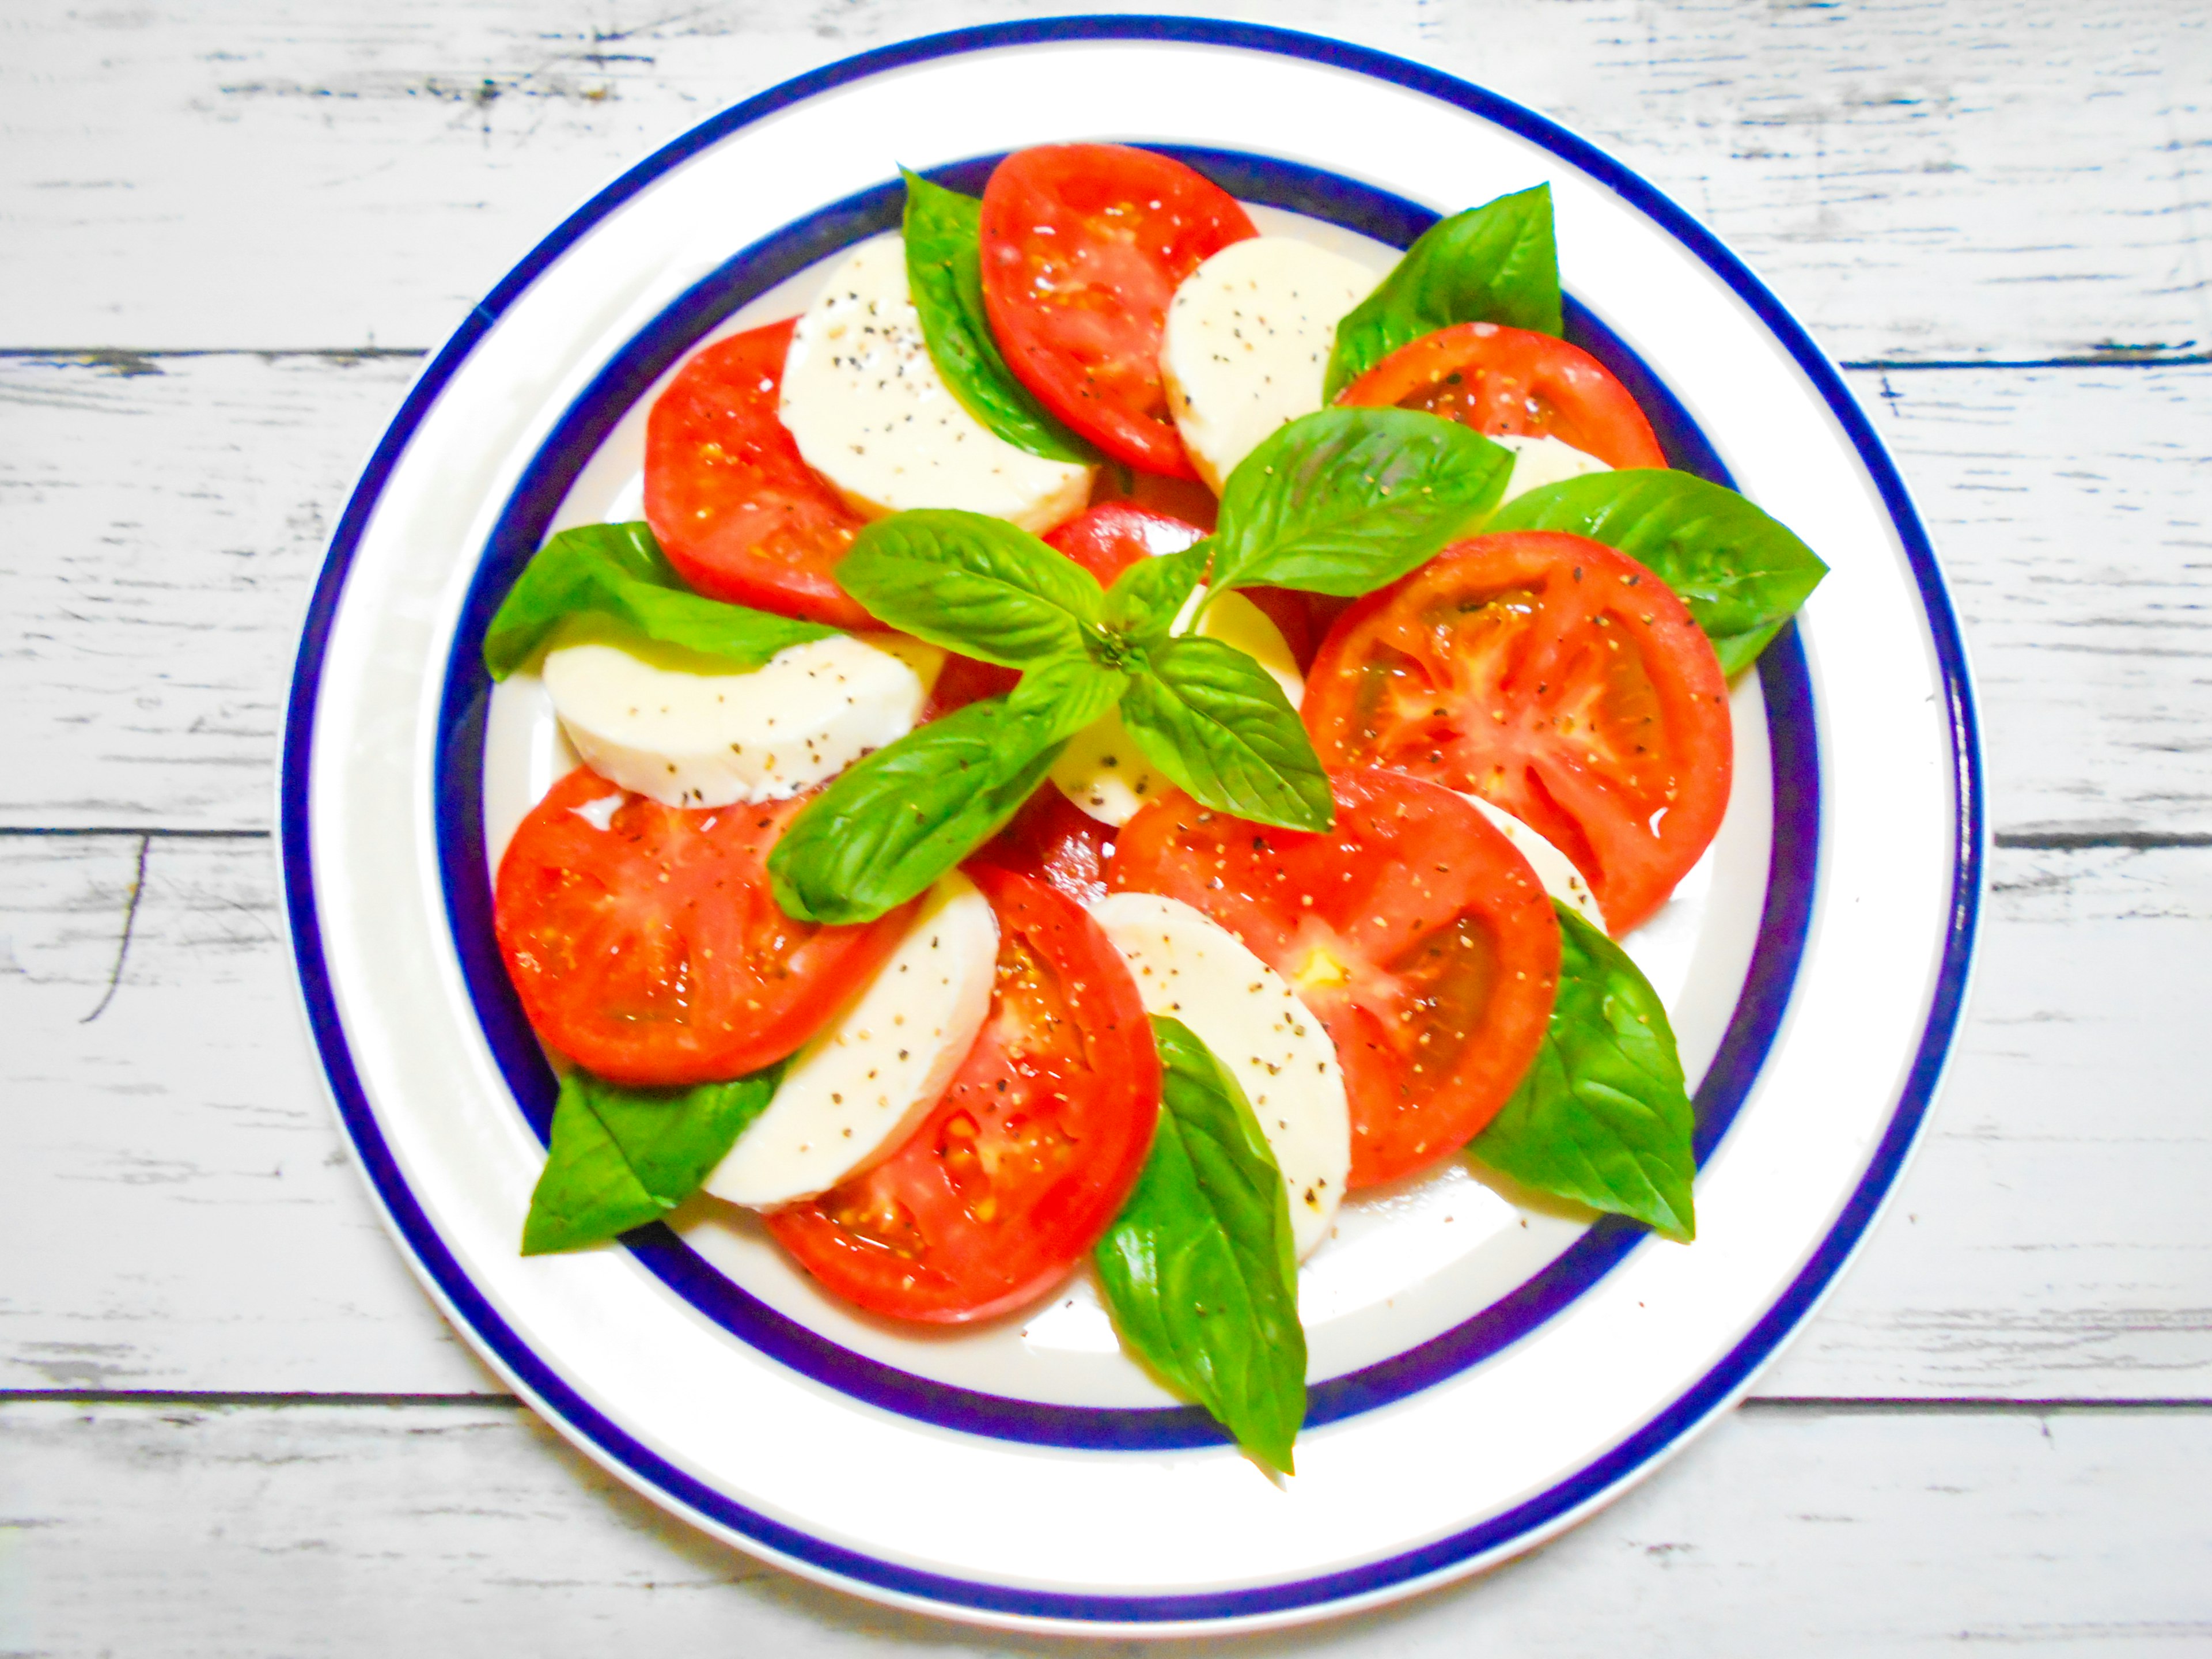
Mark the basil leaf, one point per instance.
(622, 1157)
(1198, 1268)
(891, 825)
(1494, 264)
(972, 584)
(1742, 574)
(1601, 1117)
(944, 268)
(1217, 723)
(617, 572)
(1145, 599)
(1345, 501)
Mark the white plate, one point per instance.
(1483, 1373)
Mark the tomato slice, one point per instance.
(1509, 381)
(650, 952)
(1186, 499)
(1054, 841)
(738, 511)
(1557, 678)
(1107, 540)
(1413, 929)
(1084, 245)
(1028, 1156)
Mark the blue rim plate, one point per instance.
(1852, 963)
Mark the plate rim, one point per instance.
(1577, 1491)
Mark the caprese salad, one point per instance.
(1115, 732)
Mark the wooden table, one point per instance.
(232, 1424)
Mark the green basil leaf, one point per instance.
(1145, 599)
(1345, 501)
(1217, 723)
(972, 584)
(1601, 1117)
(891, 825)
(1742, 574)
(944, 268)
(616, 575)
(1494, 264)
(622, 1157)
(1198, 1268)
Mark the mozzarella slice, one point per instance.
(871, 414)
(1246, 344)
(856, 1091)
(1189, 966)
(1101, 770)
(1553, 868)
(1541, 461)
(688, 739)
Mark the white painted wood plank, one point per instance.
(184, 1211)
(1923, 181)
(159, 532)
(2071, 514)
(323, 1531)
(161, 524)
(183, 1215)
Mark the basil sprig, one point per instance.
(1339, 501)
(613, 578)
(1494, 264)
(621, 1157)
(1200, 1271)
(944, 270)
(1742, 574)
(1601, 1117)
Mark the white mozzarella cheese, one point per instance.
(1541, 461)
(859, 1087)
(1101, 770)
(1189, 966)
(871, 413)
(1246, 344)
(1553, 868)
(688, 739)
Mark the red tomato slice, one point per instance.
(1499, 380)
(1179, 498)
(1107, 540)
(1556, 677)
(1084, 245)
(1027, 1158)
(963, 680)
(1413, 929)
(650, 952)
(1054, 841)
(738, 511)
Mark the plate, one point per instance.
(1485, 1370)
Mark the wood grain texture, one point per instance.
(161, 520)
(1920, 181)
(185, 1217)
(175, 1531)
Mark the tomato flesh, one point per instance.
(1559, 679)
(1514, 382)
(1054, 841)
(737, 509)
(652, 952)
(1107, 540)
(1083, 246)
(1413, 929)
(1022, 1165)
